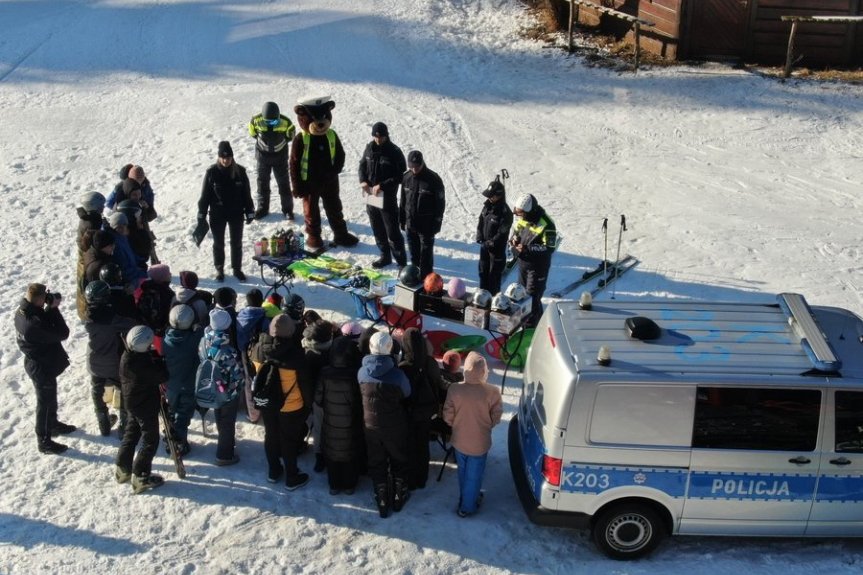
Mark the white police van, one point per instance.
(645, 418)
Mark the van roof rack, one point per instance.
(802, 322)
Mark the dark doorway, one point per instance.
(717, 28)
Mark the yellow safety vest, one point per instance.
(304, 163)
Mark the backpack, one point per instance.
(263, 387)
(150, 308)
(213, 387)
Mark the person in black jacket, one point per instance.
(421, 208)
(534, 240)
(41, 330)
(338, 395)
(424, 376)
(317, 340)
(142, 371)
(382, 168)
(227, 196)
(495, 220)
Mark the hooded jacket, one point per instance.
(251, 321)
(473, 408)
(423, 374)
(338, 393)
(180, 348)
(383, 387)
(196, 300)
(40, 336)
(294, 391)
(105, 331)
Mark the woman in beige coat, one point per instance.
(472, 408)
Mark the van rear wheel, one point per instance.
(628, 531)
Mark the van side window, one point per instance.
(849, 422)
(753, 418)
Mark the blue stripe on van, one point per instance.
(833, 488)
(533, 451)
(595, 479)
(751, 486)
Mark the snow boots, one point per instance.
(106, 422)
(297, 481)
(382, 498)
(347, 240)
(121, 475)
(401, 494)
(146, 481)
(49, 446)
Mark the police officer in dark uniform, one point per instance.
(495, 220)
(382, 168)
(421, 209)
(533, 241)
(41, 330)
(227, 196)
(272, 132)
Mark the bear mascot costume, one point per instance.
(317, 158)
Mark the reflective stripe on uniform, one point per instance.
(304, 163)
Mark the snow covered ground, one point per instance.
(734, 186)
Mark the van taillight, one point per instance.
(551, 337)
(551, 469)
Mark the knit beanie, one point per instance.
(225, 150)
(283, 326)
(139, 338)
(189, 280)
(160, 273)
(220, 320)
(181, 317)
(225, 297)
(475, 368)
(381, 344)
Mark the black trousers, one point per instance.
(387, 453)
(342, 475)
(277, 164)
(418, 453)
(491, 265)
(421, 247)
(142, 424)
(388, 235)
(46, 399)
(283, 436)
(226, 426)
(534, 276)
(235, 226)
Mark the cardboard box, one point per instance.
(476, 317)
(442, 307)
(405, 297)
(503, 322)
(521, 309)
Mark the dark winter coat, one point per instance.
(384, 388)
(251, 321)
(93, 261)
(423, 374)
(117, 195)
(289, 360)
(316, 359)
(537, 234)
(495, 221)
(124, 303)
(385, 166)
(88, 224)
(141, 374)
(124, 257)
(422, 202)
(198, 301)
(226, 193)
(180, 348)
(105, 332)
(158, 322)
(338, 393)
(40, 336)
(140, 241)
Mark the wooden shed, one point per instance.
(747, 30)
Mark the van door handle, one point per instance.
(800, 460)
(841, 461)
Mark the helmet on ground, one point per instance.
(129, 207)
(139, 338)
(410, 276)
(270, 111)
(455, 288)
(112, 274)
(93, 202)
(182, 317)
(500, 302)
(481, 298)
(97, 292)
(525, 202)
(515, 292)
(433, 283)
(294, 306)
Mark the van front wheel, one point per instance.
(628, 531)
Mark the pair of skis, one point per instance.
(171, 436)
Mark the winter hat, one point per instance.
(380, 129)
(93, 202)
(415, 159)
(254, 298)
(102, 239)
(118, 219)
(124, 171)
(351, 329)
(225, 297)
(475, 368)
(189, 280)
(525, 202)
(220, 320)
(451, 361)
(181, 317)
(283, 326)
(160, 273)
(381, 344)
(225, 149)
(320, 331)
(136, 173)
(139, 338)
(34, 290)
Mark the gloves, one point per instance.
(250, 216)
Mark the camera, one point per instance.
(51, 297)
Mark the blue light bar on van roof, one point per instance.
(812, 339)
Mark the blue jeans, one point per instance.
(471, 468)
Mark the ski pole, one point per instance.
(605, 255)
(617, 260)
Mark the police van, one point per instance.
(640, 419)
